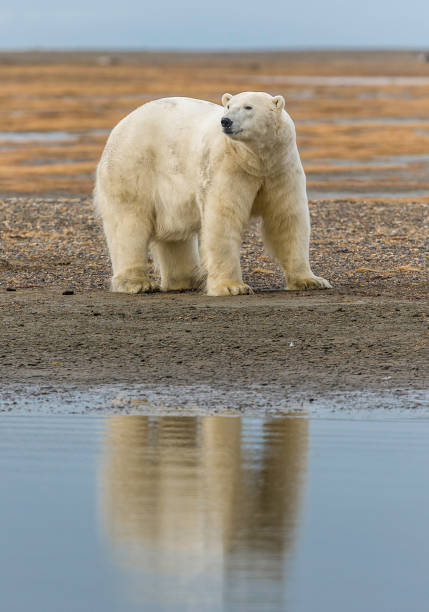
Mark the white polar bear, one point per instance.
(184, 176)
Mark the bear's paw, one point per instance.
(309, 282)
(228, 288)
(122, 284)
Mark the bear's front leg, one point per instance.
(227, 210)
(287, 234)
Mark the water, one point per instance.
(380, 162)
(343, 81)
(36, 136)
(52, 136)
(128, 513)
(373, 121)
(382, 194)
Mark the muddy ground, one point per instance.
(308, 344)
(366, 139)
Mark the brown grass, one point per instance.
(73, 93)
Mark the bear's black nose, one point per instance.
(225, 122)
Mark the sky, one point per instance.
(219, 24)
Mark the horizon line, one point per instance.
(192, 50)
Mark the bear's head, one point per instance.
(252, 115)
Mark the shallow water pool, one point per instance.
(157, 513)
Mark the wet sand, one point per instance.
(289, 348)
(366, 139)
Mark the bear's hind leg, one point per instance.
(128, 238)
(178, 263)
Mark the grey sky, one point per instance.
(219, 24)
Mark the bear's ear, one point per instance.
(226, 98)
(279, 102)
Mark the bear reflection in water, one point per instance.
(204, 509)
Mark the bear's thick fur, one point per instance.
(184, 176)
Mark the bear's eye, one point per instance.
(248, 107)
(227, 106)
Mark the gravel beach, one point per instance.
(63, 329)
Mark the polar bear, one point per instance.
(184, 176)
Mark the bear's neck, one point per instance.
(261, 161)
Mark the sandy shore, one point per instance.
(289, 348)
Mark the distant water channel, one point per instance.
(184, 514)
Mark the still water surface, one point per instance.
(130, 513)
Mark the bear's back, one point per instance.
(167, 126)
(184, 115)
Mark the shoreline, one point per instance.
(201, 400)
